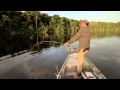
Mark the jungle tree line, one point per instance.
(16, 22)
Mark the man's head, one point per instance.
(84, 23)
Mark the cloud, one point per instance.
(112, 12)
(115, 12)
(103, 16)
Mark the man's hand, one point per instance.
(66, 44)
(76, 49)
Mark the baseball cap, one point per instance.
(85, 21)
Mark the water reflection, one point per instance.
(105, 53)
(40, 61)
(34, 65)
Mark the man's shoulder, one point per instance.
(87, 28)
(81, 28)
(84, 28)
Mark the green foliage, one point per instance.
(25, 22)
(104, 28)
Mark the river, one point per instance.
(40, 62)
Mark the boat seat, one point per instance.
(70, 70)
(86, 68)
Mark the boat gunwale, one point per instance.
(95, 67)
(58, 76)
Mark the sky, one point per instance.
(103, 16)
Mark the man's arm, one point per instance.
(75, 37)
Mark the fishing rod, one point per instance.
(45, 42)
(70, 49)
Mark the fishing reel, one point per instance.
(70, 49)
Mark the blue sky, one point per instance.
(103, 16)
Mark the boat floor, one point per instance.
(70, 77)
(89, 70)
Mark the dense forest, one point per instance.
(15, 22)
(21, 30)
(33, 21)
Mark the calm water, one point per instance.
(40, 63)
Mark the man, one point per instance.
(83, 36)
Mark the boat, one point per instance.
(89, 70)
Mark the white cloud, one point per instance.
(114, 12)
